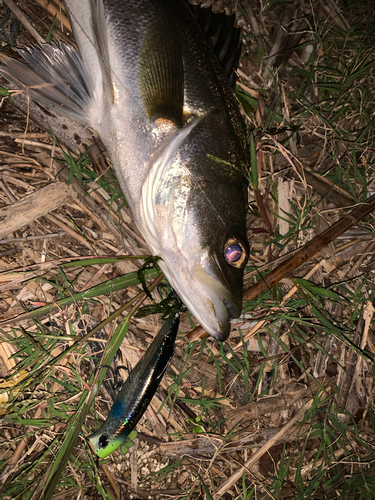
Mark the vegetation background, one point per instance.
(284, 408)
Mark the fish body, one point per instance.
(137, 391)
(149, 83)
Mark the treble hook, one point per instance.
(115, 371)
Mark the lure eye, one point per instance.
(234, 253)
(103, 441)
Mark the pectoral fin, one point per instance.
(161, 75)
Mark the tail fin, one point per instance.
(56, 77)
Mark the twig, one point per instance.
(310, 249)
(286, 297)
(72, 493)
(300, 256)
(267, 404)
(30, 135)
(200, 333)
(37, 237)
(102, 270)
(19, 451)
(337, 454)
(68, 230)
(9, 195)
(280, 37)
(28, 142)
(152, 493)
(207, 444)
(133, 466)
(325, 187)
(249, 463)
(250, 16)
(32, 206)
(55, 11)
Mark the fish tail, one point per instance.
(56, 77)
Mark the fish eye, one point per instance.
(103, 441)
(235, 253)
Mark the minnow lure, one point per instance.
(137, 392)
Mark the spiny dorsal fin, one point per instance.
(223, 36)
(161, 74)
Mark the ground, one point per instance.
(284, 408)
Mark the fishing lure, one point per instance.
(137, 392)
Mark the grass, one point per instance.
(313, 115)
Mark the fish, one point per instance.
(137, 391)
(148, 81)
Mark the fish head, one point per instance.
(208, 257)
(194, 208)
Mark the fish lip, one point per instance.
(222, 301)
(212, 312)
(224, 316)
(202, 287)
(222, 335)
(233, 312)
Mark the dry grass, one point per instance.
(284, 409)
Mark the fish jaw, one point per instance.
(198, 280)
(201, 286)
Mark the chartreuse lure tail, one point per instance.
(137, 392)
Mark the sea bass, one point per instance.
(149, 83)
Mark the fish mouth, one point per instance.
(232, 310)
(220, 298)
(219, 327)
(207, 296)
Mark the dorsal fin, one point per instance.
(223, 36)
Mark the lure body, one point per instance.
(137, 392)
